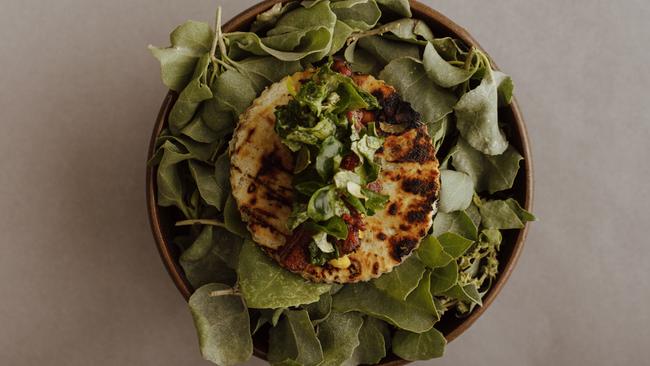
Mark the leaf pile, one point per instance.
(239, 290)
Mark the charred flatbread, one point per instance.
(261, 179)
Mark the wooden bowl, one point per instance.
(162, 218)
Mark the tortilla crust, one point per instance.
(262, 170)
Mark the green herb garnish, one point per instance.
(315, 123)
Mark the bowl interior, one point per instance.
(162, 218)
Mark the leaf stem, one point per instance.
(222, 44)
(230, 291)
(200, 221)
(373, 32)
(468, 59)
(217, 35)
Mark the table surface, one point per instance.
(82, 283)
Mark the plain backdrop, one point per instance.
(81, 282)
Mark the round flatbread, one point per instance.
(262, 171)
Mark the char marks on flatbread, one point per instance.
(262, 170)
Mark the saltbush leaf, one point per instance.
(266, 285)
(222, 325)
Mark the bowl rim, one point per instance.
(420, 11)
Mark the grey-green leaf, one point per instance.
(422, 296)
(235, 91)
(449, 48)
(477, 117)
(271, 316)
(454, 244)
(372, 343)
(222, 179)
(341, 33)
(402, 279)
(189, 41)
(467, 293)
(339, 336)
(232, 218)
(270, 17)
(410, 79)
(218, 116)
(508, 214)
(432, 254)
(212, 257)
(368, 299)
(458, 222)
(199, 131)
(386, 50)
(171, 190)
(318, 42)
(409, 29)
(222, 325)
(490, 173)
(320, 310)
(505, 87)
(444, 278)
(266, 285)
(264, 71)
(456, 192)
(205, 180)
(474, 215)
(400, 7)
(361, 60)
(189, 99)
(293, 341)
(302, 33)
(442, 72)
(423, 346)
(360, 15)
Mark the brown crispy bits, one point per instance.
(293, 255)
(402, 246)
(395, 110)
(411, 146)
(414, 216)
(271, 164)
(341, 67)
(392, 208)
(422, 187)
(351, 243)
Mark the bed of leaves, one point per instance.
(241, 292)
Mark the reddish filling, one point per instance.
(350, 161)
(341, 67)
(368, 116)
(355, 224)
(294, 254)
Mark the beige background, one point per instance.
(81, 282)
